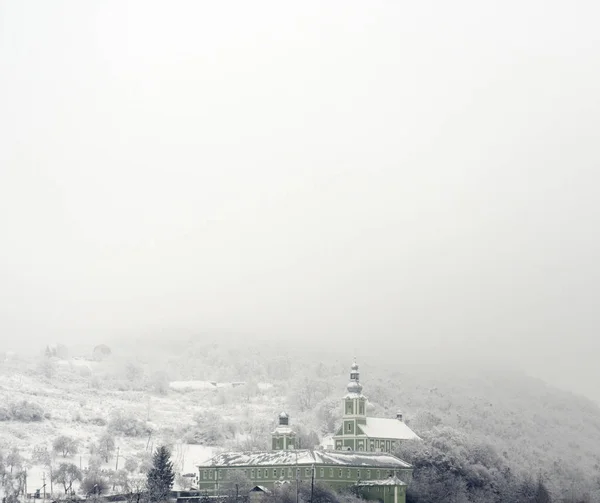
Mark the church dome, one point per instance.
(354, 366)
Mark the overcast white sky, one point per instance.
(419, 177)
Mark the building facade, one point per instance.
(375, 475)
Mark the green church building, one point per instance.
(361, 461)
(371, 434)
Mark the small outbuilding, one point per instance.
(257, 493)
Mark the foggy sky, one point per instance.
(418, 178)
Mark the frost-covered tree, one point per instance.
(160, 382)
(41, 455)
(65, 445)
(14, 461)
(133, 372)
(47, 368)
(131, 464)
(66, 474)
(127, 425)
(95, 462)
(120, 480)
(94, 484)
(106, 446)
(145, 464)
(237, 484)
(450, 466)
(137, 490)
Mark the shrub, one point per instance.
(26, 412)
(210, 429)
(5, 414)
(78, 417)
(160, 383)
(98, 421)
(127, 425)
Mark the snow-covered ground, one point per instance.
(76, 408)
(212, 385)
(186, 457)
(193, 385)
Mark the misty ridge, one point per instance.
(487, 433)
(207, 211)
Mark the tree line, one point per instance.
(153, 486)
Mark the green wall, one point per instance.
(335, 477)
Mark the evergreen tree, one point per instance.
(542, 495)
(161, 475)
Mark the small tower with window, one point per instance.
(283, 437)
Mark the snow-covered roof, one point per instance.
(230, 384)
(390, 481)
(379, 427)
(353, 394)
(260, 488)
(283, 430)
(306, 457)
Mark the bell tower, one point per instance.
(283, 437)
(355, 403)
(354, 414)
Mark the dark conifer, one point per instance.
(542, 495)
(161, 475)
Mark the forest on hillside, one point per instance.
(487, 435)
(528, 429)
